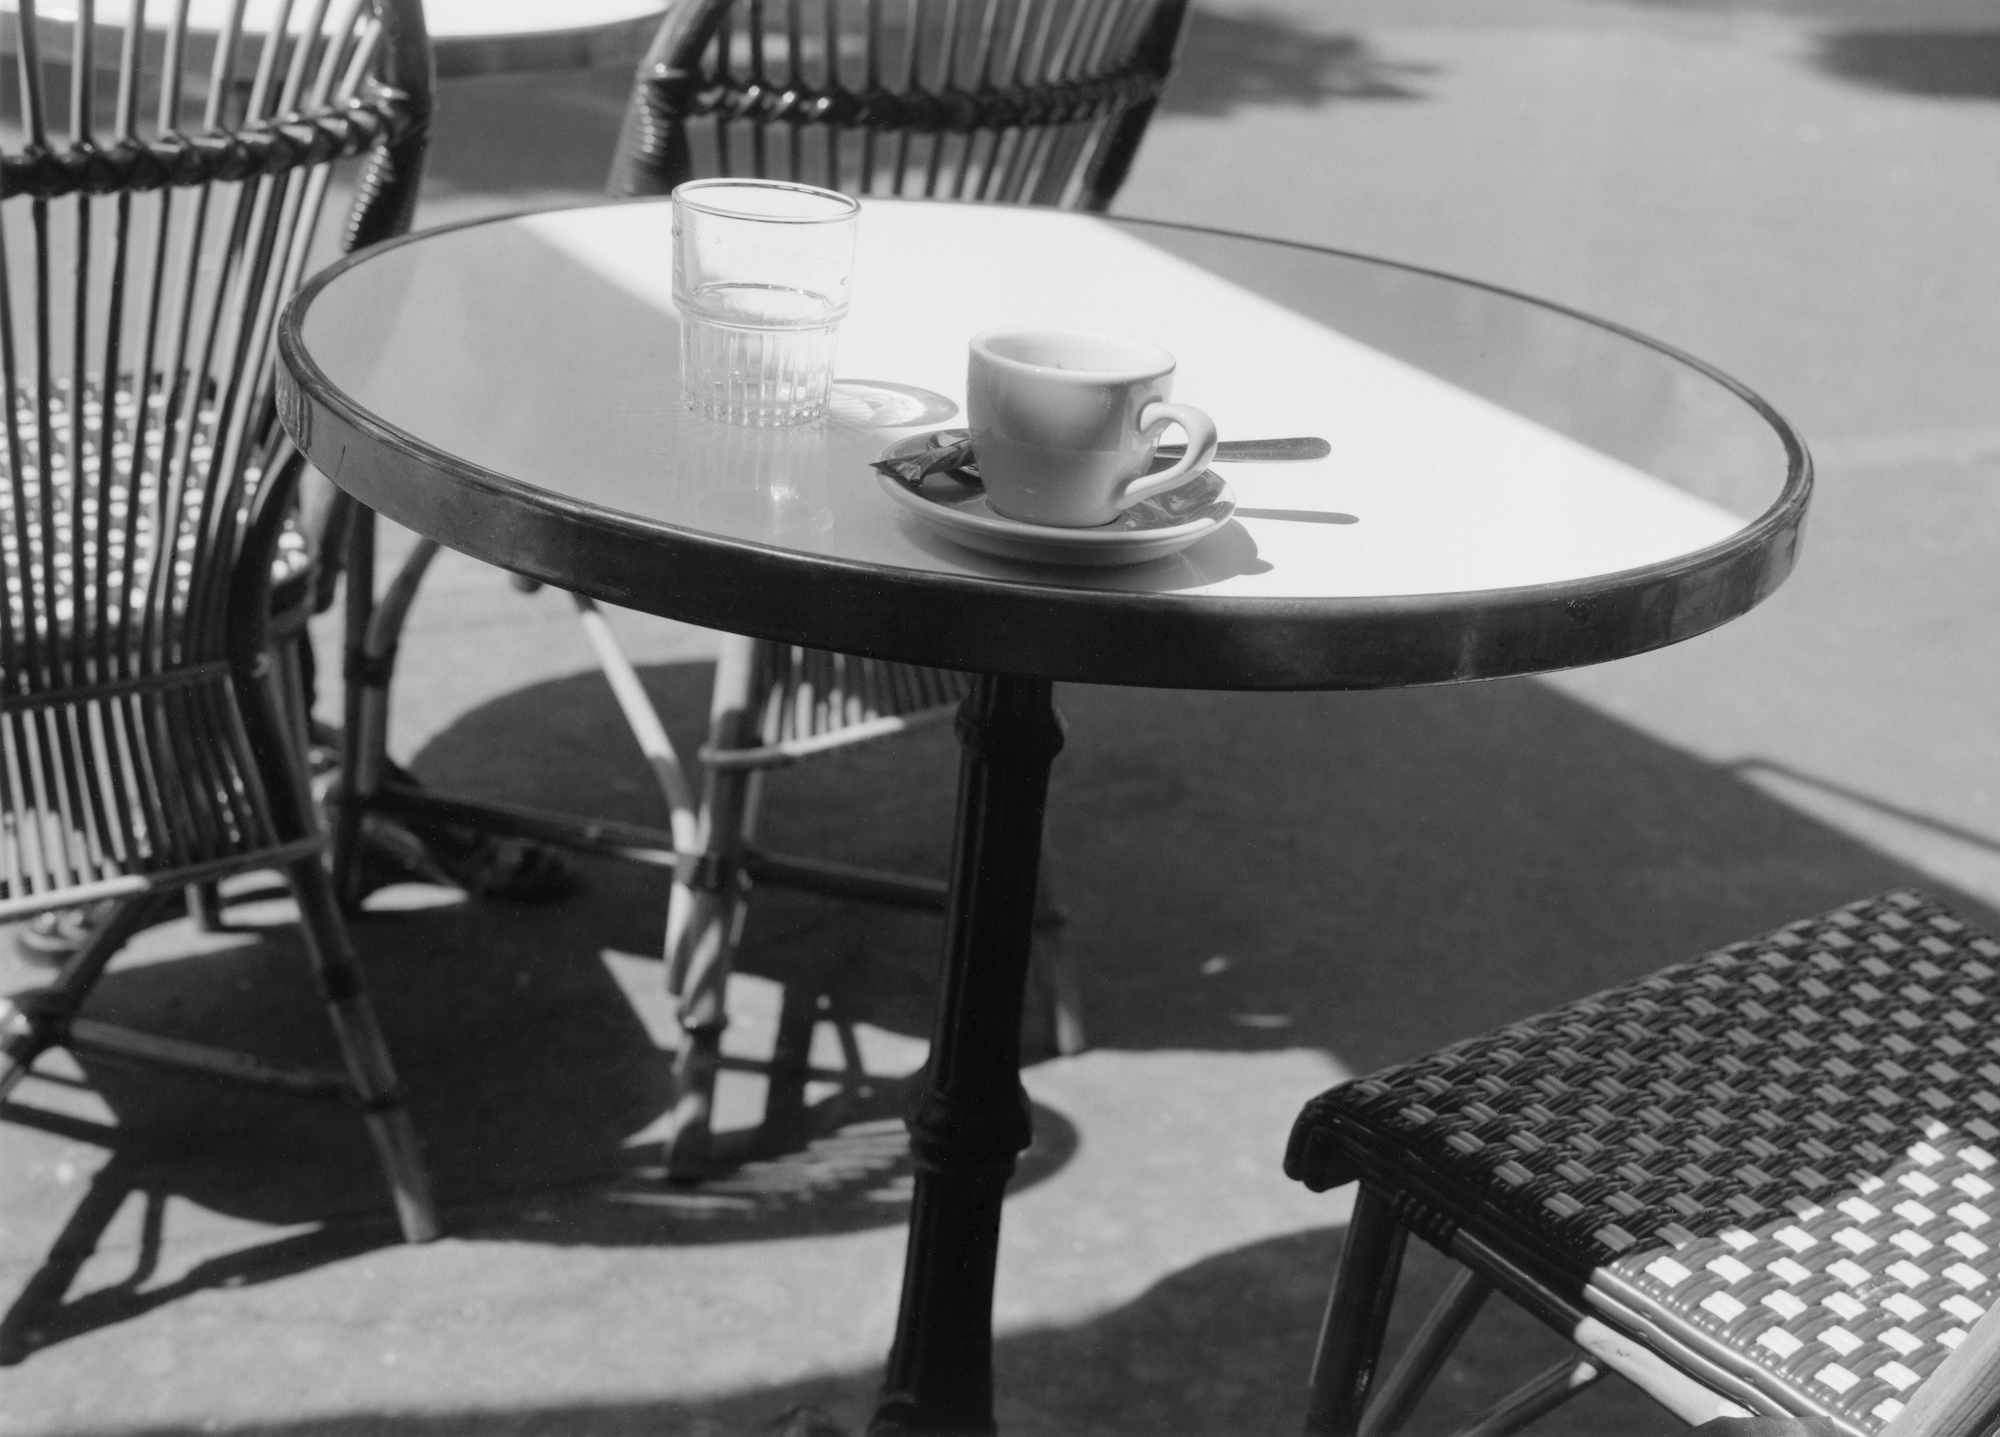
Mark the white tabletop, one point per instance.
(1429, 488)
(1540, 450)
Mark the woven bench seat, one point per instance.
(1777, 1166)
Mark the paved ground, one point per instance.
(1271, 890)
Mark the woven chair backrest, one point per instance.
(162, 173)
(162, 186)
(1032, 101)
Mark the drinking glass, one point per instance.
(761, 279)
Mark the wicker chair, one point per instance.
(147, 726)
(1763, 1181)
(1031, 101)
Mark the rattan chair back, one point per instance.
(162, 187)
(1033, 101)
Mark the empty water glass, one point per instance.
(761, 279)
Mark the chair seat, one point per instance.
(810, 701)
(289, 565)
(1776, 1164)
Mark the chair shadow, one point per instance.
(532, 1041)
(1261, 57)
(1944, 64)
(43, 1314)
(529, 1077)
(842, 1168)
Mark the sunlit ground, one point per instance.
(1265, 892)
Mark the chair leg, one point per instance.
(704, 922)
(1055, 966)
(204, 904)
(705, 914)
(1357, 1315)
(290, 650)
(786, 1116)
(344, 838)
(368, 1065)
(1537, 1397)
(373, 632)
(1426, 1355)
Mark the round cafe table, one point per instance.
(1512, 487)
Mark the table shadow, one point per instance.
(1498, 846)
(1945, 64)
(1224, 553)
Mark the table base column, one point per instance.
(970, 1117)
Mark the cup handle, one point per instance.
(1200, 431)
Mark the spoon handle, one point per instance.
(1251, 451)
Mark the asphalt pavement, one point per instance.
(1266, 892)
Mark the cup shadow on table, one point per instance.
(1223, 554)
(1366, 875)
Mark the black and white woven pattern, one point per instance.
(1785, 1154)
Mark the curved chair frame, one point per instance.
(1019, 101)
(147, 736)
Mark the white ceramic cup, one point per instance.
(1064, 424)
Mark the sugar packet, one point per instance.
(913, 469)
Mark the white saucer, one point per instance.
(957, 509)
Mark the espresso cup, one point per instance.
(1064, 424)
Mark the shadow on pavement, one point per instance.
(1947, 64)
(523, 1037)
(1369, 875)
(1222, 1346)
(1243, 872)
(1261, 57)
